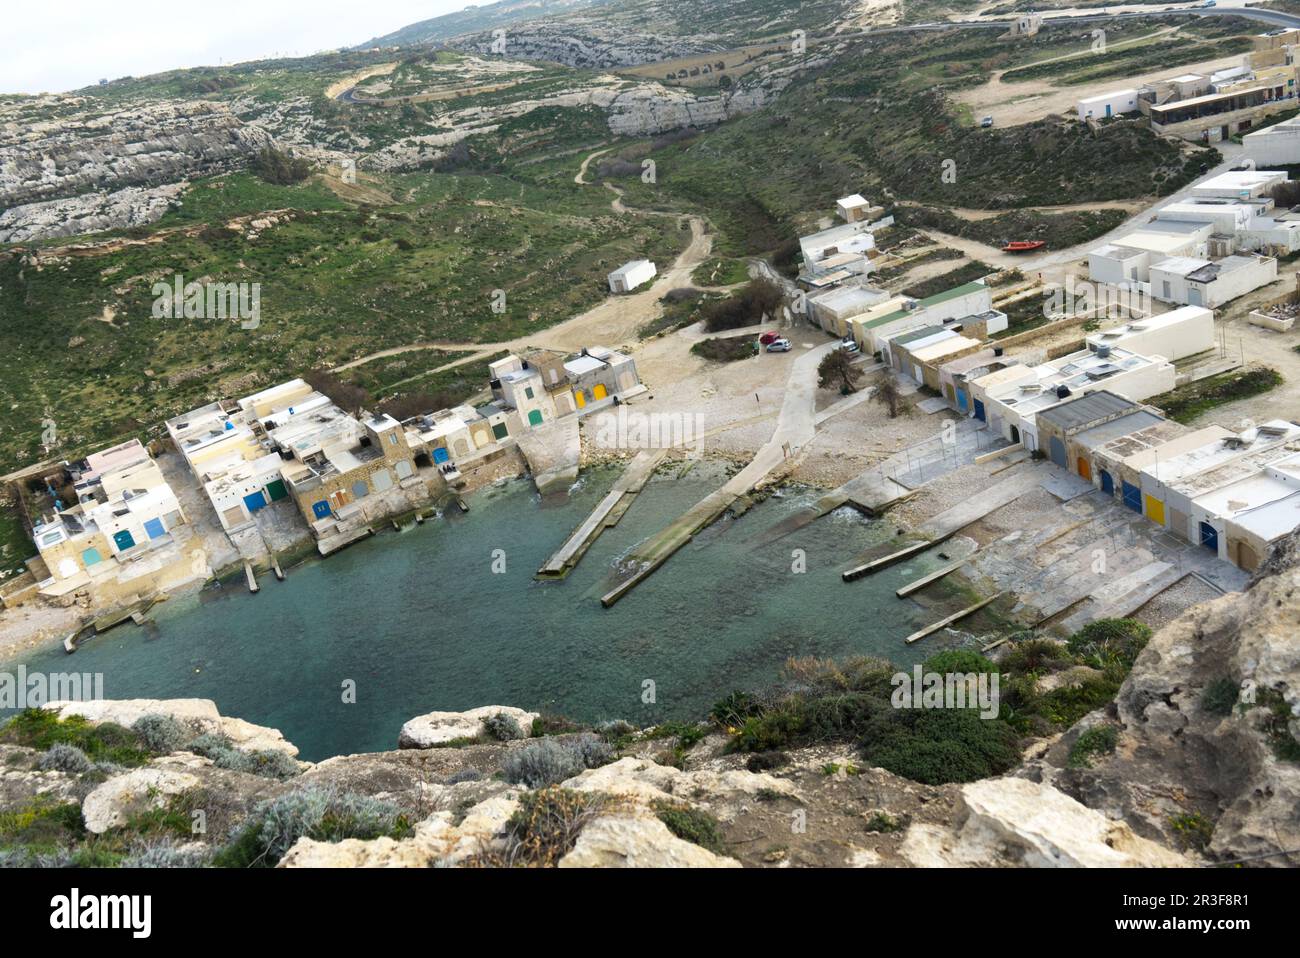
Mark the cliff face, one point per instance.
(82, 168)
(1189, 765)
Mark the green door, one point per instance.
(275, 489)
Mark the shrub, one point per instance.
(280, 168)
(1098, 740)
(161, 733)
(549, 762)
(936, 746)
(64, 758)
(1219, 696)
(464, 775)
(1035, 655)
(883, 822)
(959, 661)
(692, 825)
(269, 763)
(503, 727)
(546, 826)
(321, 813)
(766, 761)
(1110, 643)
(1194, 830)
(732, 711)
(166, 853)
(105, 742)
(758, 302)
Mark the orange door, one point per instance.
(1085, 469)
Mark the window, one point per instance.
(392, 439)
(528, 391)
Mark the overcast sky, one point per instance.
(55, 45)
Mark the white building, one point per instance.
(1012, 397)
(853, 209)
(631, 275)
(1174, 335)
(1276, 145)
(1241, 184)
(1108, 104)
(1201, 282)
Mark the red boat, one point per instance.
(1023, 246)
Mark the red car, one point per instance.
(767, 339)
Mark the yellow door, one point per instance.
(579, 398)
(1085, 469)
(598, 391)
(1155, 510)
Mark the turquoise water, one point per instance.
(419, 621)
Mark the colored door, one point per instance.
(440, 455)
(1155, 510)
(123, 540)
(1057, 451)
(500, 431)
(90, 556)
(255, 501)
(1107, 483)
(598, 391)
(579, 398)
(155, 529)
(1085, 468)
(276, 490)
(979, 410)
(961, 399)
(320, 509)
(534, 417)
(1210, 537)
(1132, 497)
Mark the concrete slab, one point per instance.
(932, 405)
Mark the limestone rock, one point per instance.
(1017, 823)
(113, 803)
(439, 728)
(619, 841)
(646, 781)
(199, 714)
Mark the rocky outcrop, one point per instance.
(1186, 771)
(113, 804)
(625, 841)
(74, 152)
(199, 714)
(439, 728)
(1018, 823)
(584, 45)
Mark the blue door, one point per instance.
(255, 501)
(1132, 497)
(320, 509)
(155, 529)
(1107, 109)
(1107, 483)
(979, 410)
(440, 455)
(1058, 451)
(961, 400)
(1210, 537)
(123, 540)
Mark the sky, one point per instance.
(57, 45)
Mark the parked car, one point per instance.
(849, 346)
(769, 338)
(779, 345)
(986, 122)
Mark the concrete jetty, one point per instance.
(606, 514)
(795, 427)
